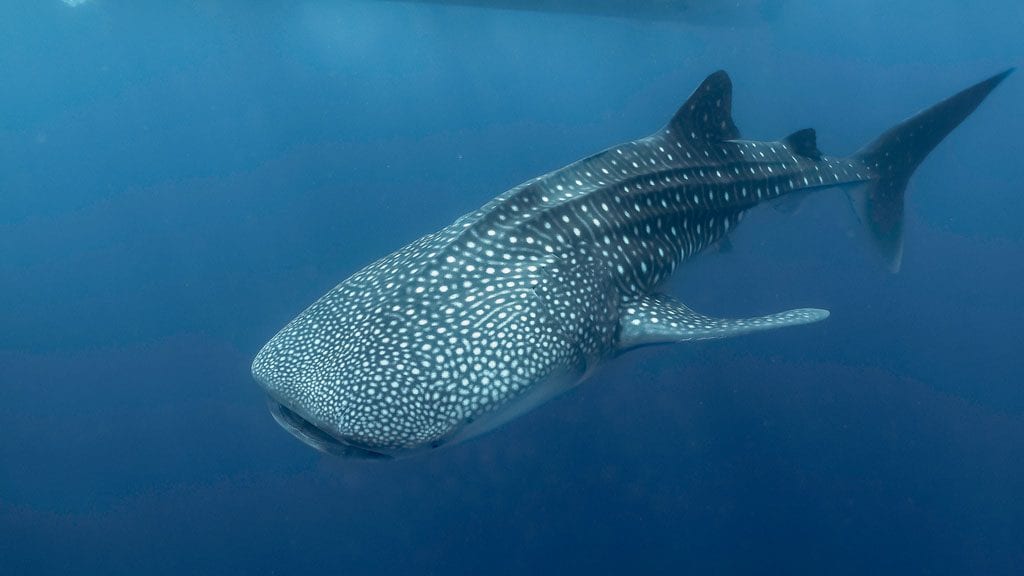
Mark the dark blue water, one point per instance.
(179, 179)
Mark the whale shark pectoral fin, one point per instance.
(662, 320)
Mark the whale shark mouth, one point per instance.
(315, 436)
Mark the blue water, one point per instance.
(179, 179)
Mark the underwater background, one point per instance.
(180, 179)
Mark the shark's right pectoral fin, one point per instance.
(663, 320)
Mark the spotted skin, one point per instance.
(518, 301)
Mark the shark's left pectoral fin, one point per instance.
(663, 320)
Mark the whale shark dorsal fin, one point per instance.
(662, 319)
(707, 114)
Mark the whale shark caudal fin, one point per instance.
(662, 319)
(896, 154)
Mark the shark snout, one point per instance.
(273, 372)
(299, 417)
(319, 437)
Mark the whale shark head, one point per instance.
(347, 378)
(422, 348)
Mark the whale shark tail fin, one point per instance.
(894, 156)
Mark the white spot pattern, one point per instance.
(468, 321)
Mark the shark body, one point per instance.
(516, 302)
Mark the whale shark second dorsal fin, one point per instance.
(707, 114)
(805, 143)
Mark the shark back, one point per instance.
(643, 207)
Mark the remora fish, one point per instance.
(512, 304)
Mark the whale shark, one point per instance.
(519, 301)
